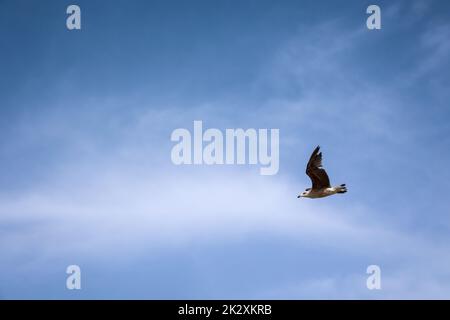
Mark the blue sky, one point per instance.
(86, 175)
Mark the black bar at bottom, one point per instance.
(221, 309)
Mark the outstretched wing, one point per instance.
(315, 171)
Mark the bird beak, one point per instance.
(299, 196)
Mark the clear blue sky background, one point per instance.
(85, 170)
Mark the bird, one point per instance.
(320, 182)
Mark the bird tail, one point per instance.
(341, 189)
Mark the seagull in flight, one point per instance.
(320, 182)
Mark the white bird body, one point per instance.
(320, 182)
(321, 193)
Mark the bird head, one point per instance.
(302, 195)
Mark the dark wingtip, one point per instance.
(316, 150)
